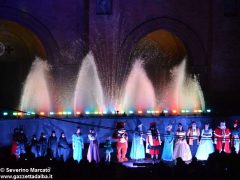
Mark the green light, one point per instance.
(15, 113)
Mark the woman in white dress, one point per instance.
(206, 146)
(181, 148)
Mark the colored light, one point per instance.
(140, 112)
(104, 112)
(130, 112)
(42, 113)
(195, 111)
(51, 113)
(157, 112)
(165, 111)
(208, 110)
(33, 113)
(15, 113)
(60, 113)
(183, 111)
(69, 113)
(148, 111)
(174, 111)
(19, 113)
(87, 112)
(5, 113)
(200, 110)
(152, 112)
(64, 113)
(95, 112)
(78, 113)
(187, 111)
(113, 112)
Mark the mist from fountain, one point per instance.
(139, 92)
(36, 92)
(88, 94)
(186, 92)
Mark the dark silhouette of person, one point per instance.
(63, 147)
(43, 145)
(53, 144)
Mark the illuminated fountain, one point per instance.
(183, 92)
(36, 92)
(138, 93)
(88, 95)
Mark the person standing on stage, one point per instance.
(34, 146)
(63, 147)
(153, 141)
(138, 149)
(77, 145)
(206, 146)
(108, 149)
(93, 150)
(181, 149)
(235, 134)
(193, 135)
(121, 136)
(43, 144)
(167, 154)
(53, 144)
(222, 138)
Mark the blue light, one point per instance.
(187, 111)
(87, 112)
(130, 112)
(5, 113)
(69, 113)
(208, 110)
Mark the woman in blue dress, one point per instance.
(235, 136)
(137, 149)
(77, 145)
(167, 154)
(206, 146)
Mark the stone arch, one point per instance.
(193, 43)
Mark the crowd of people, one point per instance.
(180, 144)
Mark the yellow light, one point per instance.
(78, 113)
(42, 113)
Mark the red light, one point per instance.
(42, 113)
(174, 111)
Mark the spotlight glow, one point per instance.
(5, 113)
(42, 113)
(165, 111)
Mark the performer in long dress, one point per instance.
(222, 138)
(153, 141)
(93, 150)
(206, 146)
(193, 135)
(167, 154)
(77, 145)
(181, 148)
(235, 134)
(137, 149)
